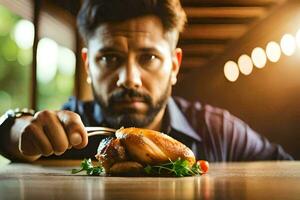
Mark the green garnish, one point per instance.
(87, 165)
(177, 168)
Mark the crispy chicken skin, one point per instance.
(134, 148)
(151, 147)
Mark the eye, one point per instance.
(148, 58)
(110, 60)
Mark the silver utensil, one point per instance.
(100, 131)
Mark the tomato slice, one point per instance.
(204, 165)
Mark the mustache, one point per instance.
(127, 94)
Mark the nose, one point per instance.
(130, 76)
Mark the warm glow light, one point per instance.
(24, 34)
(288, 44)
(231, 71)
(298, 38)
(273, 51)
(259, 57)
(245, 64)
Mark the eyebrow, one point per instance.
(108, 49)
(150, 49)
(113, 49)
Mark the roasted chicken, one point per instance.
(133, 148)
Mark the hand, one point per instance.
(52, 132)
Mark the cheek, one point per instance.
(157, 82)
(165, 73)
(103, 82)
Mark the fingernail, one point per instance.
(75, 139)
(58, 153)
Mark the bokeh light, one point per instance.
(66, 61)
(288, 44)
(47, 58)
(25, 57)
(231, 71)
(245, 64)
(24, 34)
(273, 51)
(298, 38)
(259, 57)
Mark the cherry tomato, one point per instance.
(204, 165)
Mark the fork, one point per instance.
(99, 131)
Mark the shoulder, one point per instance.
(198, 113)
(76, 105)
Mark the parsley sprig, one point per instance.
(177, 168)
(87, 165)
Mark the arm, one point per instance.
(227, 138)
(44, 134)
(241, 143)
(248, 145)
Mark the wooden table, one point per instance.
(253, 180)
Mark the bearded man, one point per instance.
(132, 61)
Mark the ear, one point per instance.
(84, 55)
(177, 57)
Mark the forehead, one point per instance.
(146, 30)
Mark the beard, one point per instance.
(130, 117)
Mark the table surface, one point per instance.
(248, 180)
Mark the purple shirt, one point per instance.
(213, 134)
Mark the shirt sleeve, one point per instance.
(233, 140)
(249, 145)
(71, 105)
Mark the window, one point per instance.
(56, 59)
(15, 60)
(55, 74)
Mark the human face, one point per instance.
(132, 67)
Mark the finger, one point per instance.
(27, 148)
(33, 136)
(41, 140)
(74, 128)
(54, 131)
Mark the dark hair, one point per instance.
(95, 12)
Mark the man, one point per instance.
(132, 62)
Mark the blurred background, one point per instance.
(241, 55)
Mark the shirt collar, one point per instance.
(179, 122)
